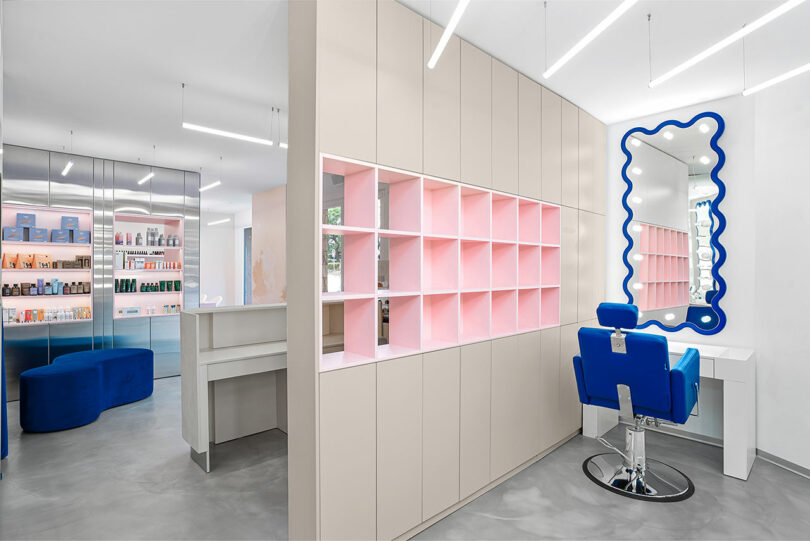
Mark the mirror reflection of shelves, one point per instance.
(415, 264)
(663, 268)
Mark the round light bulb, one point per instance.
(638, 285)
(704, 128)
(637, 170)
(638, 257)
(637, 200)
(668, 135)
(635, 142)
(641, 314)
(637, 228)
(704, 160)
(669, 317)
(706, 319)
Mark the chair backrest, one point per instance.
(644, 367)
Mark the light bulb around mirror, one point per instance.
(668, 135)
(638, 285)
(635, 142)
(704, 128)
(704, 160)
(638, 257)
(637, 200)
(706, 319)
(637, 228)
(637, 170)
(669, 317)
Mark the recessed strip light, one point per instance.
(217, 222)
(448, 32)
(725, 42)
(230, 134)
(146, 178)
(212, 185)
(282, 145)
(776, 80)
(590, 36)
(66, 170)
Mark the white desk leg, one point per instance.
(202, 455)
(597, 421)
(739, 428)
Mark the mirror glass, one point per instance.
(674, 224)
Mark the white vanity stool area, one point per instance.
(732, 368)
(233, 363)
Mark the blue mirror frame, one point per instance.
(719, 222)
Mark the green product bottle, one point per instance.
(116, 286)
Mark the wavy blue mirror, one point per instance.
(673, 226)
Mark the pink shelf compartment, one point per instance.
(404, 264)
(550, 307)
(475, 316)
(359, 199)
(504, 265)
(551, 224)
(440, 264)
(439, 321)
(359, 344)
(504, 312)
(528, 266)
(440, 208)
(475, 264)
(475, 213)
(404, 328)
(550, 266)
(529, 220)
(358, 265)
(528, 309)
(504, 217)
(404, 204)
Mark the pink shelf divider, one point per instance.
(403, 322)
(504, 217)
(504, 312)
(440, 208)
(475, 264)
(475, 313)
(359, 194)
(404, 263)
(550, 266)
(550, 307)
(439, 320)
(551, 224)
(404, 207)
(475, 213)
(528, 309)
(528, 266)
(504, 265)
(359, 263)
(440, 267)
(358, 333)
(529, 221)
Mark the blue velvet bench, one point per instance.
(75, 388)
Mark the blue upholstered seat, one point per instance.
(75, 388)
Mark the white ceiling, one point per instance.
(610, 77)
(111, 72)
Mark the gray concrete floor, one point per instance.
(129, 476)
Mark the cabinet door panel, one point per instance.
(529, 137)
(440, 428)
(570, 154)
(569, 256)
(570, 407)
(399, 446)
(587, 196)
(552, 147)
(476, 382)
(476, 116)
(348, 459)
(506, 413)
(549, 387)
(442, 133)
(531, 390)
(504, 128)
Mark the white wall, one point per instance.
(765, 141)
(217, 258)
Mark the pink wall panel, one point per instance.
(504, 217)
(404, 205)
(360, 199)
(475, 314)
(504, 265)
(440, 268)
(504, 312)
(359, 330)
(475, 213)
(439, 320)
(475, 264)
(404, 263)
(528, 309)
(529, 221)
(403, 322)
(528, 266)
(269, 246)
(358, 263)
(551, 266)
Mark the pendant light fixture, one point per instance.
(215, 131)
(448, 32)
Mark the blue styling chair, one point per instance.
(630, 372)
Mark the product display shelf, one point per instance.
(663, 263)
(463, 265)
(40, 323)
(29, 244)
(47, 271)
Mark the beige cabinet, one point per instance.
(347, 78)
(530, 350)
(440, 431)
(550, 420)
(504, 127)
(476, 116)
(399, 86)
(569, 131)
(586, 161)
(529, 137)
(475, 425)
(591, 272)
(399, 446)
(599, 168)
(569, 264)
(442, 110)
(348, 457)
(570, 407)
(552, 147)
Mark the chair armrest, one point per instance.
(684, 382)
(583, 396)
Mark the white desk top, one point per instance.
(713, 351)
(238, 308)
(239, 353)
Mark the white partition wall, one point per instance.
(476, 387)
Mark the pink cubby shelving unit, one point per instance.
(440, 202)
(663, 268)
(465, 264)
(475, 316)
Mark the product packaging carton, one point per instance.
(14, 234)
(70, 222)
(26, 220)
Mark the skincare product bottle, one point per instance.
(116, 285)
(73, 288)
(40, 286)
(86, 287)
(15, 290)
(139, 240)
(66, 289)
(129, 239)
(6, 290)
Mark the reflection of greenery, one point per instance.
(334, 252)
(334, 216)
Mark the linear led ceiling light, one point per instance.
(589, 37)
(66, 170)
(776, 80)
(230, 134)
(448, 31)
(209, 186)
(217, 222)
(725, 42)
(146, 178)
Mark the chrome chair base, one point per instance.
(658, 483)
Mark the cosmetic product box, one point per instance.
(26, 220)
(70, 222)
(131, 310)
(60, 235)
(13, 233)
(80, 236)
(37, 234)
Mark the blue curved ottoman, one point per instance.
(77, 387)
